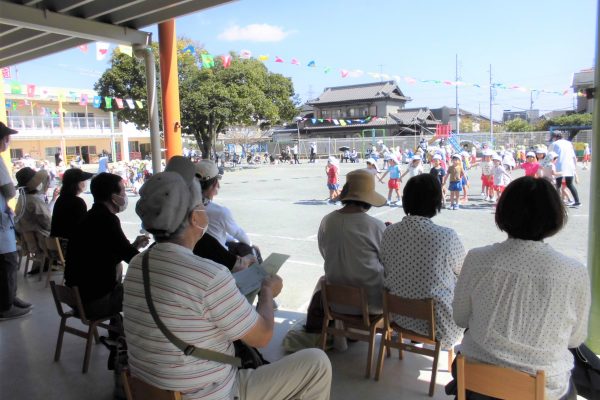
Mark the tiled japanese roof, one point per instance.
(367, 91)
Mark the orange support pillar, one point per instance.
(169, 80)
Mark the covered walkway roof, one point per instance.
(34, 28)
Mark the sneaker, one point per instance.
(399, 203)
(14, 312)
(456, 206)
(389, 203)
(569, 203)
(575, 204)
(17, 302)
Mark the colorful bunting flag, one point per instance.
(108, 102)
(208, 61)
(6, 72)
(83, 100)
(263, 58)
(342, 122)
(139, 104)
(336, 122)
(278, 59)
(344, 73)
(30, 90)
(245, 54)
(311, 64)
(126, 50)
(15, 87)
(327, 70)
(130, 104)
(119, 103)
(189, 49)
(101, 50)
(313, 120)
(226, 61)
(83, 48)
(294, 62)
(97, 102)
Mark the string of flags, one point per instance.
(82, 99)
(340, 122)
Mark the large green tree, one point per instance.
(243, 93)
(517, 125)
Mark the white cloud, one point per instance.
(254, 33)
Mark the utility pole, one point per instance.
(380, 72)
(491, 117)
(457, 108)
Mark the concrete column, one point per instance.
(169, 84)
(594, 225)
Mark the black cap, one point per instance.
(75, 175)
(5, 130)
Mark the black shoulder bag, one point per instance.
(586, 372)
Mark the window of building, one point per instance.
(51, 151)
(338, 113)
(134, 146)
(72, 150)
(16, 153)
(364, 112)
(325, 113)
(351, 112)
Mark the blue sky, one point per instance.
(532, 44)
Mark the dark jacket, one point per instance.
(68, 211)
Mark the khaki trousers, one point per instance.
(303, 375)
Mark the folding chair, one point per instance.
(55, 256)
(354, 297)
(496, 381)
(417, 309)
(136, 389)
(70, 296)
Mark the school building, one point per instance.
(58, 120)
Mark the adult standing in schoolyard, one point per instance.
(566, 166)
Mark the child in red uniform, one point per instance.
(333, 175)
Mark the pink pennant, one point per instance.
(119, 103)
(294, 62)
(279, 60)
(83, 100)
(83, 48)
(344, 73)
(226, 61)
(410, 80)
(30, 90)
(245, 54)
(6, 72)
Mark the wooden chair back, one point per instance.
(496, 381)
(136, 389)
(69, 296)
(354, 298)
(420, 309)
(54, 254)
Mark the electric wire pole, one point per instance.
(457, 108)
(491, 102)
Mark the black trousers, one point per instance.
(570, 186)
(8, 280)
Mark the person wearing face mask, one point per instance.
(32, 214)
(98, 246)
(198, 302)
(69, 208)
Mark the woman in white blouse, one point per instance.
(524, 303)
(422, 259)
(349, 239)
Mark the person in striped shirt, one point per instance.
(198, 301)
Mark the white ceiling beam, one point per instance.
(51, 22)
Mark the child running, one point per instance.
(455, 176)
(586, 155)
(487, 179)
(501, 177)
(394, 182)
(332, 172)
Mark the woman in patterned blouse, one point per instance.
(422, 259)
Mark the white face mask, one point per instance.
(40, 187)
(122, 207)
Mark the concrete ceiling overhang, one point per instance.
(35, 28)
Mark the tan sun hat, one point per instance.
(360, 185)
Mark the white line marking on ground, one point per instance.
(311, 237)
(293, 261)
(283, 237)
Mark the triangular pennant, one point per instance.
(226, 61)
(126, 50)
(83, 48)
(97, 102)
(336, 122)
(311, 64)
(321, 120)
(294, 62)
(15, 88)
(208, 61)
(130, 104)
(278, 59)
(108, 102)
(245, 54)
(101, 50)
(30, 90)
(344, 73)
(83, 100)
(189, 49)
(342, 122)
(119, 103)
(313, 120)
(263, 58)
(327, 70)
(6, 72)
(139, 104)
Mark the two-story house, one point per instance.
(368, 109)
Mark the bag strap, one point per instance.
(188, 349)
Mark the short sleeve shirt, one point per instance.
(439, 173)
(455, 173)
(7, 228)
(394, 171)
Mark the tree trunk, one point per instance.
(206, 145)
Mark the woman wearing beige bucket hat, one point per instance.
(349, 239)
